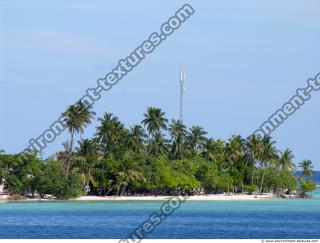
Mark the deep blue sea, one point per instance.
(315, 177)
(278, 218)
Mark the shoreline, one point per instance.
(209, 197)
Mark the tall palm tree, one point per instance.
(208, 149)
(234, 151)
(85, 158)
(125, 177)
(66, 155)
(196, 137)
(285, 161)
(127, 174)
(111, 133)
(253, 145)
(76, 118)
(177, 132)
(158, 145)
(72, 121)
(268, 156)
(219, 151)
(86, 147)
(154, 120)
(137, 138)
(86, 115)
(235, 147)
(306, 167)
(107, 128)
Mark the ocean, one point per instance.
(315, 177)
(276, 218)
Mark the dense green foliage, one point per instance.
(168, 159)
(307, 185)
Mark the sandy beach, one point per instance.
(210, 197)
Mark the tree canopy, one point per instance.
(167, 158)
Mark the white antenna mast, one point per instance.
(182, 89)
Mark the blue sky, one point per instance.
(243, 60)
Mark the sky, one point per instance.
(243, 60)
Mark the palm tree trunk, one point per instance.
(244, 171)
(253, 162)
(261, 186)
(252, 176)
(71, 141)
(69, 153)
(110, 189)
(123, 189)
(118, 189)
(100, 187)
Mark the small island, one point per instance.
(153, 160)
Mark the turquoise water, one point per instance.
(298, 218)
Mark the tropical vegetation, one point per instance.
(155, 157)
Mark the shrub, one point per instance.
(250, 188)
(307, 186)
(55, 182)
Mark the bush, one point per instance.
(278, 181)
(307, 186)
(250, 188)
(55, 182)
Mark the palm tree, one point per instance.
(137, 138)
(111, 133)
(154, 121)
(127, 175)
(108, 125)
(72, 121)
(268, 156)
(219, 151)
(178, 132)
(234, 151)
(65, 155)
(285, 161)
(158, 145)
(86, 147)
(253, 145)
(86, 115)
(196, 137)
(208, 149)
(235, 148)
(85, 158)
(306, 166)
(76, 118)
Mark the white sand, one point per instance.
(209, 197)
(191, 198)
